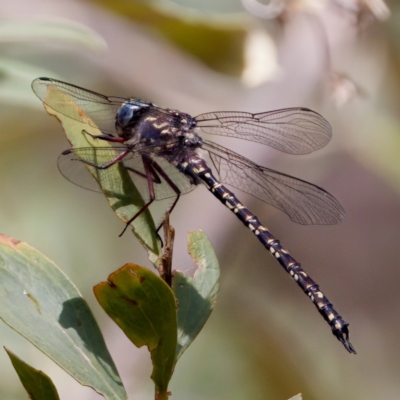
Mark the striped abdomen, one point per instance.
(199, 168)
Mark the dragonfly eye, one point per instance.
(128, 113)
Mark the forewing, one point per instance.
(82, 167)
(304, 202)
(291, 130)
(100, 109)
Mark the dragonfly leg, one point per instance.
(173, 187)
(150, 173)
(154, 176)
(105, 136)
(106, 165)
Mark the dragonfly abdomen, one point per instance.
(310, 288)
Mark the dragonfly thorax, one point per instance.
(151, 127)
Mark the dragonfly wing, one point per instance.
(78, 103)
(304, 202)
(291, 130)
(82, 167)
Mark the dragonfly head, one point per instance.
(128, 115)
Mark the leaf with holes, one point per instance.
(143, 306)
(38, 301)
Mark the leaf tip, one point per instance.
(9, 241)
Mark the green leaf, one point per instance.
(217, 41)
(38, 385)
(38, 301)
(143, 306)
(119, 189)
(196, 296)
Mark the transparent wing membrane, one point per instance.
(83, 168)
(100, 109)
(304, 202)
(291, 130)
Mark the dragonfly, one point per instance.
(162, 150)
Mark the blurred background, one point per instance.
(265, 340)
